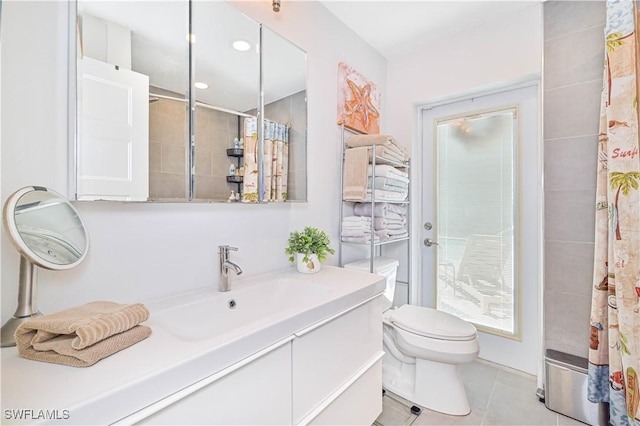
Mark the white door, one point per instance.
(481, 210)
(113, 133)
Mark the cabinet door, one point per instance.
(258, 393)
(326, 357)
(360, 404)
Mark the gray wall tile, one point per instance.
(571, 163)
(568, 269)
(575, 58)
(570, 215)
(566, 322)
(572, 110)
(564, 17)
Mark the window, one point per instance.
(476, 218)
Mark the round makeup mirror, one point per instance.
(47, 231)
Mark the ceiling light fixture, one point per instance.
(241, 45)
(201, 85)
(276, 5)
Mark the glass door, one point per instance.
(481, 220)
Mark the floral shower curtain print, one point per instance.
(614, 349)
(276, 160)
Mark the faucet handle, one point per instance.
(226, 248)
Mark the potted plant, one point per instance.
(308, 248)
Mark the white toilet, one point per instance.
(423, 348)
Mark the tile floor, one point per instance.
(497, 395)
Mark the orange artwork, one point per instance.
(358, 101)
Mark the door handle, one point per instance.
(429, 242)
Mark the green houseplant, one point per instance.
(308, 248)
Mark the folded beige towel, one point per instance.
(388, 152)
(83, 335)
(385, 140)
(354, 186)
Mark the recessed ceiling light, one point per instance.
(201, 85)
(241, 45)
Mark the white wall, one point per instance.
(500, 51)
(142, 251)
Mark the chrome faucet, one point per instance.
(225, 265)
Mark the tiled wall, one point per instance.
(573, 65)
(215, 131)
(167, 148)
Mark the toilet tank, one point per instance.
(385, 266)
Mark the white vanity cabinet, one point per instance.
(337, 363)
(257, 392)
(328, 373)
(314, 357)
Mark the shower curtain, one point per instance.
(614, 347)
(275, 160)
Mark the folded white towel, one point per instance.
(382, 195)
(387, 183)
(391, 216)
(364, 209)
(356, 218)
(353, 226)
(391, 226)
(351, 232)
(361, 240)
(382, 223)
(385, 170)
(381, 210)
(390, 234)
(397, 208)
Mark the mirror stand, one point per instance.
(26, 302)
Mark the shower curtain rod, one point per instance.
(202, 104)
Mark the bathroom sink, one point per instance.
(211, 313)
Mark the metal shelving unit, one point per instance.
(375, 247)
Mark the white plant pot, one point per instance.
(310, 267)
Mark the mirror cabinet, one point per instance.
(186, 101)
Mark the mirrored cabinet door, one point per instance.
(226, 59)
(285, 118)
(132, 110)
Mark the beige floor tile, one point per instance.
(395, 413)
(497, 395)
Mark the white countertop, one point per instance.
(164, 363)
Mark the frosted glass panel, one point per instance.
(476, 218)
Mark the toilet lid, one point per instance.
(432, 323)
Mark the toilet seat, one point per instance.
(428, 322)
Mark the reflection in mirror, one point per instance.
(227, 81)
(133, 85)
(285, 113)
(133, 81)
(47, 231)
